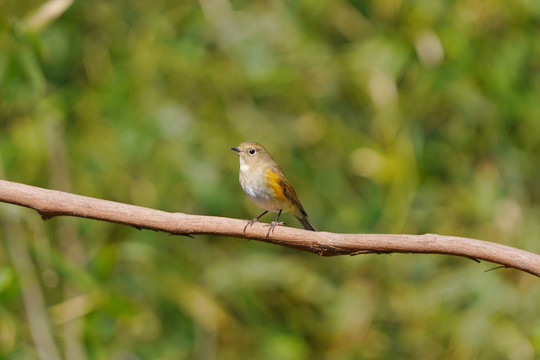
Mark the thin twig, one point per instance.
(50, 203)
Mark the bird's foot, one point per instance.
(272, 226)
(250, 223)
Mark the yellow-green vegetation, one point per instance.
(387, 117)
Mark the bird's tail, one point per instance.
(305, 223)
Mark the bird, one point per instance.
(267, 186)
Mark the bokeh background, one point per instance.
(387, 116)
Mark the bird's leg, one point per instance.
(274, 224)
(253, 221)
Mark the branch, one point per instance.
(50, 203)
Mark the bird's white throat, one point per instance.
(243, 166)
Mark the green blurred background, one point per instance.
(387, 116)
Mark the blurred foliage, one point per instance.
(387, 116)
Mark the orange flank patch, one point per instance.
(274, 181)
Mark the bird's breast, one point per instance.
(260, 189)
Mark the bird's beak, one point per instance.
(235, 149)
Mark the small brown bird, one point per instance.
(264, 182)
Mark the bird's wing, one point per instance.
(283, 188)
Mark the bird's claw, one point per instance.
(273, 226)
(250, 223)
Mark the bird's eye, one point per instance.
(252, 151)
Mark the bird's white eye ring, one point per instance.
(252, 151)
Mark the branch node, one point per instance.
(45, 215)
(182, 234)
(360, 252)
(498, 267)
